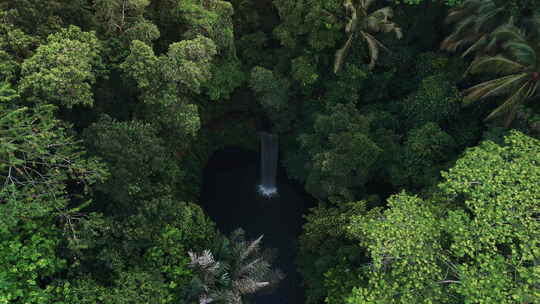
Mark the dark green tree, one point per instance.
(272, 92)
(423, 154)
(139, 160)
(167, 83)
(39, 159)
(325, 246)
(341, 153)
(46, 180)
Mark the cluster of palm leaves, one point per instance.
(364, 24)
(241, 269)
(503, 47)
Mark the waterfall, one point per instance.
(269, 158)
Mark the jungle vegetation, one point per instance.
(110, 109)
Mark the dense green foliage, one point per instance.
(110, 110)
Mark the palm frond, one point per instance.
(507, 86)
(341, 54)
(365, 4)
(209, 271)
(399, 32)
(377, 21)
(521, 52)
(391, 27)
(350, 27)
(479, 91)
(247, 268)
(384, 13)
(205, 299)
(484, 5)
(249, 286)
(455, 15)
(464, 26)
(495, 64)
(474, 20)
(509, 103)
(373, 24)
(249, 271)
(373, 48)
(466, 9)
(508, 32)
(204, 260)
(486, 19)
(252, 248)
(454, 41)
(476, 46)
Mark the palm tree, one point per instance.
(211, 277)
(474, 21)
(244, 269)
(517, 68)
(364, 24)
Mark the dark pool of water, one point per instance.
(229, 196)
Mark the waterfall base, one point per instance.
(267, 191)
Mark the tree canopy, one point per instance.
(409, 128)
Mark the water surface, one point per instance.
(230, 197)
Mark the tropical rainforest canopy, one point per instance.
(414, 125)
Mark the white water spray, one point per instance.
(269, 158)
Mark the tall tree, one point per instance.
(244, 270)
(517, 65)
(474, 21)
(40, 18)
(40, 158)
(341, 153)
(140, 162)
(168, 83)
(118, 16)
(63, 70)
(364, 24)
(325, 244)
(46, 178)
(477, 240)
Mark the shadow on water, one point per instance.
(229, 196)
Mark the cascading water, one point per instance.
(269, 158)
